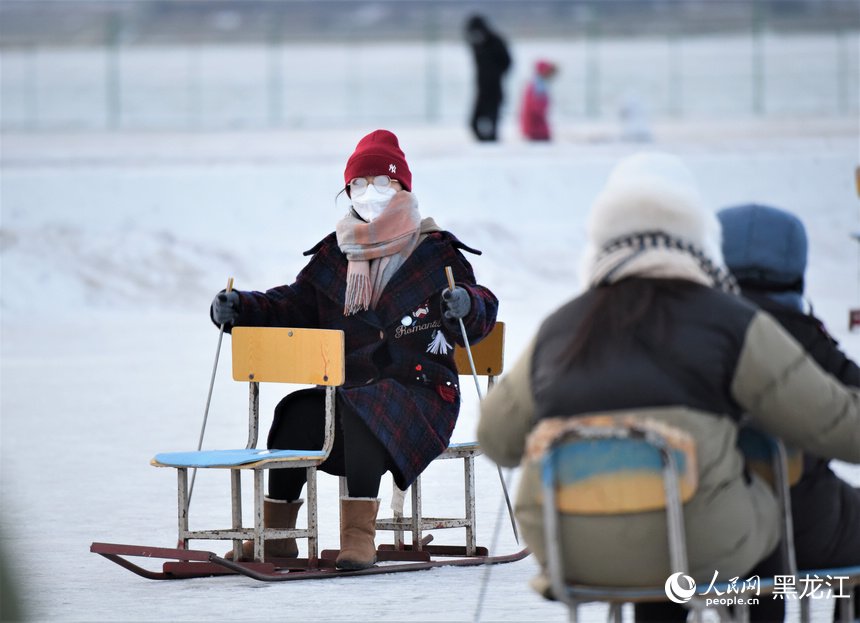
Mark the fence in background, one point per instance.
(200, 65)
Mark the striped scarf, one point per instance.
(377, 249)
(659, 255)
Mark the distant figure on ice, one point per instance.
(635, 126)
(765, 248)
(535, 107)
(492, 61)
(380, 278)
(660, 333)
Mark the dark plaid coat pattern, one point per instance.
(408, 396)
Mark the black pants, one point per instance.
(485, 116)
(768, 609)
(826, 513)
(299, 424)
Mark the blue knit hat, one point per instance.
(764, 248)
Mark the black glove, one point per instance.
(456, 304)
(225, 308)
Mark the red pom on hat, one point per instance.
(378, 153)
(545, 68)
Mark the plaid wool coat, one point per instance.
(400, 373)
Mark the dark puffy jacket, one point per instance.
(825, 509)
(693, 367)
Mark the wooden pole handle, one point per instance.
(450, 274)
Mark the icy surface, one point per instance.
(114, 244)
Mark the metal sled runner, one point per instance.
(304, 356)
(186, 564)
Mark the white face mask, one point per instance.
(372, 203)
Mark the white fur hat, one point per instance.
(647, 192)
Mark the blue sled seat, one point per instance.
(243, 457)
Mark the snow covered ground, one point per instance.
(114, 244)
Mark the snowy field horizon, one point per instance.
(113, 245)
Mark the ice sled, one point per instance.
(315, 357)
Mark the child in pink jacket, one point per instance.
(536, 103)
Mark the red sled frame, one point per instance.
(189, 563)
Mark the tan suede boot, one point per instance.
(278, 514)
(357, 533)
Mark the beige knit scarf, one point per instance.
(377, 249)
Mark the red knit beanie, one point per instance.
(545, 68)
(378, 153)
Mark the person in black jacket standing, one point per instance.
(492, 60)
(765, 248)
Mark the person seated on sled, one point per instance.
(380, 278)
(660, 332)
(765, 248)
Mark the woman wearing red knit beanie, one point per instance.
(380, 278)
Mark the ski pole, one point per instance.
(485, 581)
(208, 401)
(450, 275)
